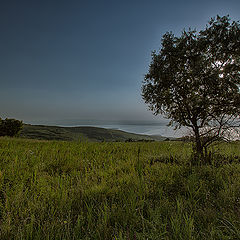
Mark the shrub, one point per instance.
(10, 127)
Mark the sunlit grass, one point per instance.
(84, 190)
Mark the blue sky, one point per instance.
(86, 60)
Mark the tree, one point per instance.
(10, 127)
(194, 80)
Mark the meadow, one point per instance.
(115, 190)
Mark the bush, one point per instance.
(10, 127)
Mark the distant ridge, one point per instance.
(95, 134)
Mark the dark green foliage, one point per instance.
(10, 127)
(194, 81)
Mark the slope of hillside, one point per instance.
(81, 133)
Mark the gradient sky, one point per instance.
(67, 59)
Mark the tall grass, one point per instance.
(84, 190)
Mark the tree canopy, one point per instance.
(10, 127)
(194, 80)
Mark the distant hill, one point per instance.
(94, 134)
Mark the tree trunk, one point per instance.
(199, 146)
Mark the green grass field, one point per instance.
(86, 190)
(93, 134)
